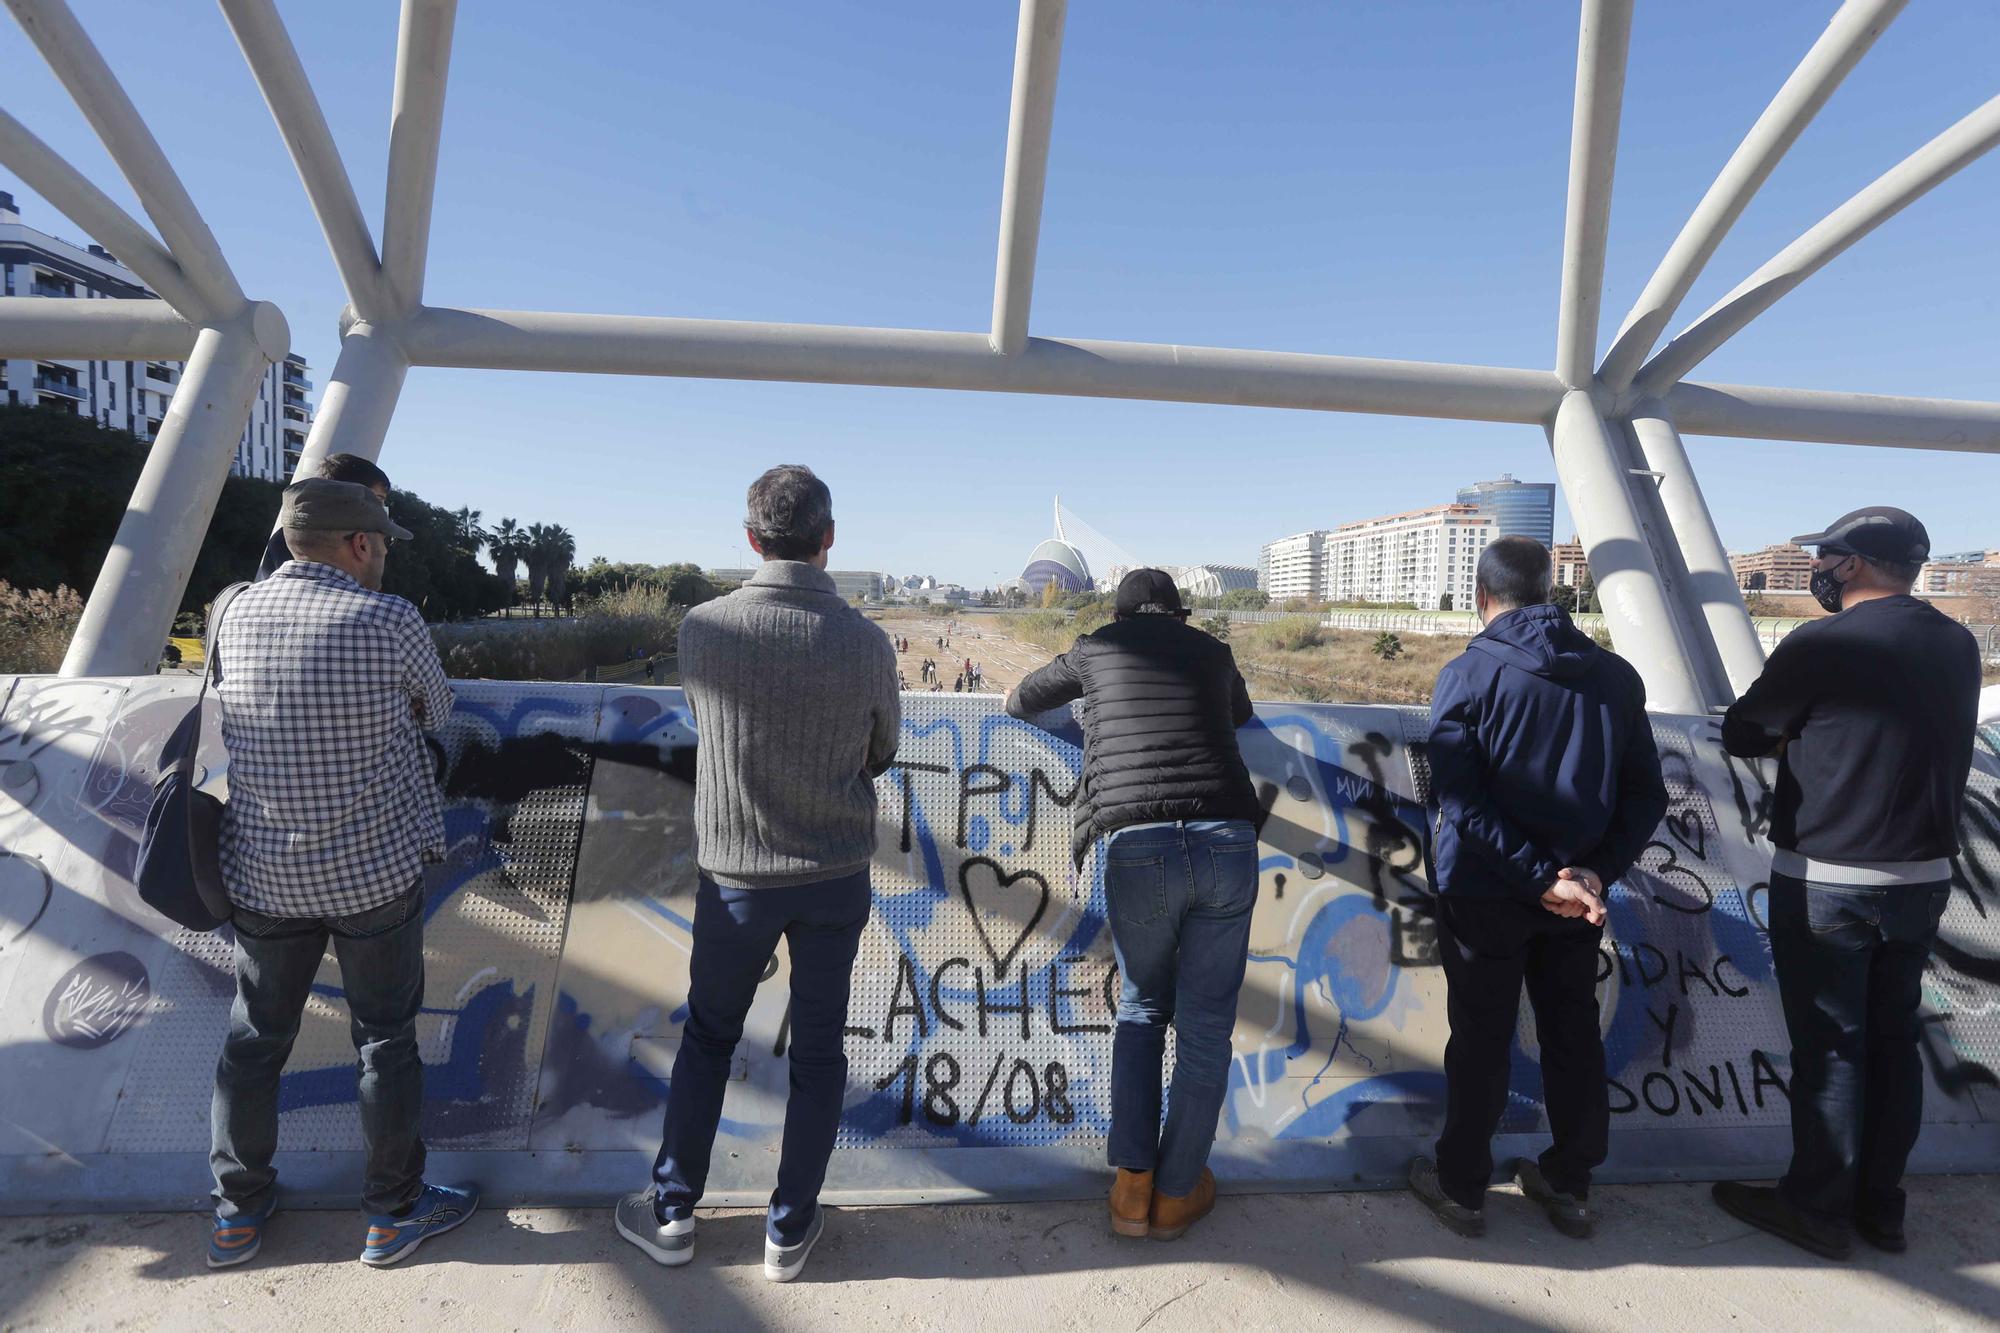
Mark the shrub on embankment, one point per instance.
(611, 630)
(35, 627)
(65, 481)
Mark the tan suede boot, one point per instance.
(1172, 1217)
(1131, 1202)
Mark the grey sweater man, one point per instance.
(794, 695)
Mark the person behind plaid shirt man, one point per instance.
(326, 685)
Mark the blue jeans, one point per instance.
(1180, 897)
(735, 933)
(1850, 965)
(381, 955)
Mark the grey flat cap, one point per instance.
(317, 504)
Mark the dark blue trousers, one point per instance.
(735, 933)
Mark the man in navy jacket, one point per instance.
(1548, 786)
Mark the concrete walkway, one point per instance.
(1664, 1259)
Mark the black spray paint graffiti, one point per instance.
(96, 1001)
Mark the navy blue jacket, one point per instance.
(1541, 757)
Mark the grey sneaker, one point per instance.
(1465, 1221)
(1569, 1214)
(671, 1243)
(782, 1263)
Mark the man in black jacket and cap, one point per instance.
(1548, 786)
(1165, 787)
(1871, 714)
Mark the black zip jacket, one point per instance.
(1161, 705)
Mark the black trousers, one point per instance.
(1490, 946)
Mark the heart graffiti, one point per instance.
(994, 886)
(1685, 829)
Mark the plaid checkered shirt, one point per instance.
(326, 688)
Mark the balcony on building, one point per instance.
(64, 385)
(160, 371)
(297, 414)
(46, 283)
(295, 373)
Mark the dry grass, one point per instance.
(616, 625)
(1295, 658)
(35, 628)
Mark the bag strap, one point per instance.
(210, 672)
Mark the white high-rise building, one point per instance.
(1422, 557)
(1293, 566)
(131, 395)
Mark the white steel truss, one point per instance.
(1614, 426)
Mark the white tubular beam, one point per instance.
(1601, 46)
(64, 186)
(1890, 193)
(358, 400)
(1037, 57)
(1711, 581)
(1821, 416)
(98, 94)
(131, 608)
(1846, 39)
(423, 56)
(1638, 607)
(914, 358)
(274, 62)
(35, 326)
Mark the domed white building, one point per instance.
(1056, 561)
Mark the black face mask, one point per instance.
(1826, 588)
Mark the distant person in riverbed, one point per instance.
(334, 467)
(794, 692)
(1547, 784)
(1166, 788)
(1871, 713)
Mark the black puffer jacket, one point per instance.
(1161, 705)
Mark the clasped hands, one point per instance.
(1576, 892)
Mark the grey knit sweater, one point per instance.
(794, 695)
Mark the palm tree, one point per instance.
(467, 533)
(504, 545)
(535, 554)
(561, 554)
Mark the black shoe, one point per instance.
(1883, 1234)
(1766, 1209)
(1470, 1222)
(1567, 1213)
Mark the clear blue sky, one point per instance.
(1367, 179)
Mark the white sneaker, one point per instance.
(671, 1243)
(782, 1263)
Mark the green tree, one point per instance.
(1245, 599)
(1387, 646)
(505, 546)
(560, 553)
(1217, 626)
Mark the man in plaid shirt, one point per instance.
(326, 685)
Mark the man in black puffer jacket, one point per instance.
(1164, 784)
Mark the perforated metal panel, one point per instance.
(983, 997)
(517, 760)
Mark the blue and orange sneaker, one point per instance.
(236, 1240)
(437, 1210)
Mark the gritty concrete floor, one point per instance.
(1664, 1258)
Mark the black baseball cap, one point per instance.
(1144, 587)
(1878, 532)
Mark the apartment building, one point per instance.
(1428, 557)
(1293, 567)
(131, 395)
(1780, 568)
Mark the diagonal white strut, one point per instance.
(1037, 57)
(1846, 39)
